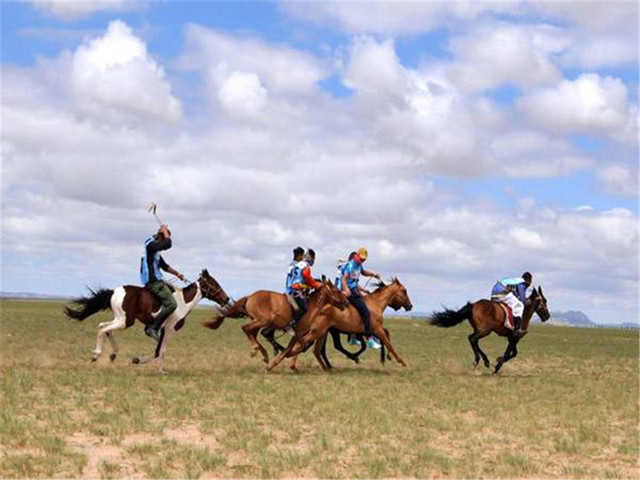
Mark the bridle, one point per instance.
(212, 292)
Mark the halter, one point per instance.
(207, 290)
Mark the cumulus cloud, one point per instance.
(75, 10)
(280, 68)
(496, 54)
(620, 180)
(242, 95)
(115, 74)
(277, 161)
(589, 104)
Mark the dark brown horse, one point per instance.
(348, 321)
(488, 316)
(129, 302)
(271, 310)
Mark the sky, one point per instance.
(460, 142)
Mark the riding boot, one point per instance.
(518, 331)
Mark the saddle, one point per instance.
(292, 303)
(509, 321)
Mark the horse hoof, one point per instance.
(254, 353)
(113, 356)
(94, 359)
(135, 360)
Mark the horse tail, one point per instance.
(97, 301)
(237, 310)
(449, 318)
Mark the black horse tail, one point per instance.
(100, 300)
(237, 310)
(450, 318)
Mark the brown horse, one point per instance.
(348, 321)
(129, 303)
(488, 316)
(272, 310)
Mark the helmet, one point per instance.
(363, 253)
(310, 256)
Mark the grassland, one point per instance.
(567, 407)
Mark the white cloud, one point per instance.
(399, 18)
(70, 10)
(114, 74)
(590, 104)
(374, 68)
(242, 95)
(280, 68)
(619, 180)
(496, 54)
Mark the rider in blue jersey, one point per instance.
(151, 266)
(514, 292)
(350, 288)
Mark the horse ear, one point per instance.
(324, 278)
(205, 272)
(394, 279)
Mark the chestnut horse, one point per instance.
(129, 303)
(316, 327)
(271, 310)
(488, 316)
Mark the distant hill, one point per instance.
(572, 317)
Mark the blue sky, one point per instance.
(459, 142)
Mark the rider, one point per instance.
(151, 277)
(514, 292)
(351, 290)
(301, 282)
(298, 256)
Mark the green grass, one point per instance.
(566, 407)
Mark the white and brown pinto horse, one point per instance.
(129, 303)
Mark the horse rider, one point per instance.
(514, 292)
(302, 282)
(151, 267)
(298, 256)
(351, 290)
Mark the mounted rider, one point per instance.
(151, 266)
(351, 290)
(301, 283)
(514, 292)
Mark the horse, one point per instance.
(129, 302)
(272, 310)
(317, 326)
(488, 316)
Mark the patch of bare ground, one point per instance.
(97, 451)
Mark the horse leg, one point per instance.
(323, 352)
(477, 351)
(251, 331)
(337, 344)
(382, 350)
(509, 353)
(118, 323)
(282, 355)
(296, 346)
(317, 351)
(382, 335)
(114, 346)
(269, 334)
(165, 333)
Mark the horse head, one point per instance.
(331, 296)
(539, 302)
(400, 298)
(212, 290)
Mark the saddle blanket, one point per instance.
(509, 322)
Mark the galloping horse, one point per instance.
(488, 316)
(315, 327)
(129, 303)
(268, 309)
